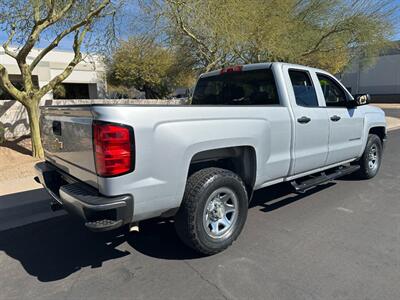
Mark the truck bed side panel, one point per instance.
(167, 138)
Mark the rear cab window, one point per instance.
(254, 87)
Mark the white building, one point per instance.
(87, 81)
(381, 79)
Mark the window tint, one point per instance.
(303, 88)
(237, 88)
(334, 94)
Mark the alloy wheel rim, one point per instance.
(220, 213)
(373, 157)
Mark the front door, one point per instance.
(346, 124)
(311, 126)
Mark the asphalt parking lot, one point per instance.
(338, 241)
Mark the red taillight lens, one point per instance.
(113, 149)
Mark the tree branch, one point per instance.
(36, 10)
(316, 48)
(39, 26)
(78, 39)
(50, 5)
(7, 43)
(7, 85)
(181, 24)
(88, 19)
(212, 64)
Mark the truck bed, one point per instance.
(166, 140)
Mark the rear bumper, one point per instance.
(100, 213)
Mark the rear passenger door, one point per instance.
(311, 126)
(346, 124)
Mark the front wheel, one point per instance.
(213, 210)
(371, 159)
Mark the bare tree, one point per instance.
(28, 22)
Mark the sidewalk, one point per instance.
(17, 167)
(393, 120)
(393, 123)
(387, 105)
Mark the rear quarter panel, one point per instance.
(167, 137)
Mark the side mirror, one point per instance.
(362, 99)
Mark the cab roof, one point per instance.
(256, 66)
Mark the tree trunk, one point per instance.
(147, 92)
(150, 93)
(33, 114)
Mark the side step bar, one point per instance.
(305, 185)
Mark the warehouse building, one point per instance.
(381, 79)
(87, 81)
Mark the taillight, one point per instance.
(231, 69)
(113, 148)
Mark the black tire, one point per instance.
(367, 169)
(189, 221)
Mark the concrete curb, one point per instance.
(387, 105)
(392, 123)
(393, 128)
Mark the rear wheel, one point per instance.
(370, 161)
(213, 211)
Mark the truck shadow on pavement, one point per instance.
(57, 247)
(53, 249)
(282, 194)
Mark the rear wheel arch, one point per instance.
(239, 159)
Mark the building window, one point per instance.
(16, 80)
(71, 91)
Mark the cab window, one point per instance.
(303, 88)
(333, 93)
(256, 87)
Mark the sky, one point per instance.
(131, 9)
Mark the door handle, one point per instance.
(335, 118)
(303, 120)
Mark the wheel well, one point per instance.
(240, 160)
(379, 131)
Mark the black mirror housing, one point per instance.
(362, 99)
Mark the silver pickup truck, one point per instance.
(247, 127)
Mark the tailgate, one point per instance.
(67, 140)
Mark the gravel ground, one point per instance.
(16, 160)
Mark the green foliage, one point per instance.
(321, 33)
(148, 67)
